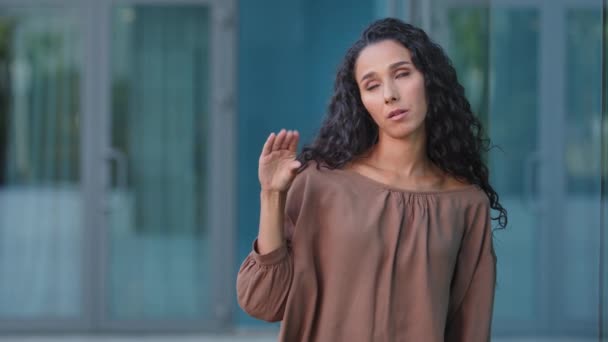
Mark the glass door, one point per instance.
(42, 253)
(545, 118)
(515, 124)
(159, 238)
(164, 255)
(116, 165)
(578, 268)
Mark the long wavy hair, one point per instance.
(455, 138)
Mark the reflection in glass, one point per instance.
(468, 48)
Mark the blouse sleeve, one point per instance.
(263, 283)
(472, 290)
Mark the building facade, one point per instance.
(130, 132)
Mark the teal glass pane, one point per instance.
(582, 139)
(41, 227)
(289, 52)
(468, 47)
(159, 238)
(512, 125)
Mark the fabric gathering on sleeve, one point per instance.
(263, 283)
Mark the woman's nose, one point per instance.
(390, 94)
(390, 99)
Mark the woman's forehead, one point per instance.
(381, 56)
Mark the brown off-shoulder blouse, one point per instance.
(368, 262)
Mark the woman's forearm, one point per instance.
(272, 211)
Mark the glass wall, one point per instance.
(159, 239)
(530, 69)
(514, 126)
(116, 146)
(116, 165)
(41, 226)
(578, 270)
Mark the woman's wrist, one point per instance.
(272, 193)
(270, 236)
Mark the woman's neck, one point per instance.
(405, 158)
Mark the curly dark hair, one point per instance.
(455, 138)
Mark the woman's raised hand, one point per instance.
(277, 166)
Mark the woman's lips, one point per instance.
(397, 114)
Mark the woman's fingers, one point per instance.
(278, 142)
(284, 140)
(268, 144)
(293, 144)
(287, 140)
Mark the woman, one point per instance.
(380, 230)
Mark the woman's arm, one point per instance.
(264, 279)
(472, 292)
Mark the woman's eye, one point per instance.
(402, 74)
(372, 87)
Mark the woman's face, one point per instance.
(392, 89)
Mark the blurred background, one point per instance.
(130, 132)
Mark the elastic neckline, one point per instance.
(406, 191)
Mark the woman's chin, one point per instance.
(404, 133)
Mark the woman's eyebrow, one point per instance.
(391, 67)
(398, 64)
(366, 76)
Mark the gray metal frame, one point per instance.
(95, 24)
